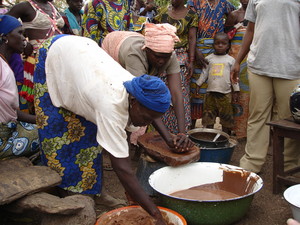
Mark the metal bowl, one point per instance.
(203, 137)
(168, 180)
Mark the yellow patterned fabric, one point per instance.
(182, 25)
(102, 17)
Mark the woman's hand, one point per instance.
(201, 61)
(180, 143)
(235, 97)
(28, 49)
(234, 73)
(160, 222)
(190, 68)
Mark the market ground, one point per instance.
(266, 208)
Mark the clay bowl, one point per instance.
(203, 137)
(121, 215)
(244, 184)
(292, 196)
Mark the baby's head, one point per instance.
(221, 43)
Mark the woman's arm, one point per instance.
(245, 48)
(174, 83)
(26, 117)
(131, 185)
(192, 49)
(163, 131)
(22, 11)
(181, 141)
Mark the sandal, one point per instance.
(107, 167)
(109, 201)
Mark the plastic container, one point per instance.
(219, 155)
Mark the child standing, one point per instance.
(73, 18)
(219, 91)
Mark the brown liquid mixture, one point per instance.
(132, 216)
(235, 183)
(204, 136)
(204, 193)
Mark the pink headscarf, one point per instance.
(160, 37)
(113, 41)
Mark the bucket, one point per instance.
(219, 155)
(292, 196)
(143, 172)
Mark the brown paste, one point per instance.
(206, 136)
(235, 184)
(132, 216)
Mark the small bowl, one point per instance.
(173, 217)
(203, 137)
(292, 196)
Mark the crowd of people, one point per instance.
(94, 77)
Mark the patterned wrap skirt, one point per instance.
(169, 118)
(205, 45)
(18, 139)
(241, 108)
(68, 141)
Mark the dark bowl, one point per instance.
(203, 137)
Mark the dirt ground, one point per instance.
(266, 208)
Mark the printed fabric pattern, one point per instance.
(68, 141)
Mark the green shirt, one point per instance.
(183, 25)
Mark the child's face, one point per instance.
(244, 3)
(75, 5)
(221, 45)
(176, 3)
(149, 1)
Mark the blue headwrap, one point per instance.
(150, 91)
(8, 24)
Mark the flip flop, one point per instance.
(107, 167)
(109, 201)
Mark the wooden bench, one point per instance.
(285, 128)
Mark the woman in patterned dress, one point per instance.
(211, 21)
(40, 21)
(186, 22)
(18, 134)
(85, 101)
(236, 22)
(104, 16)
